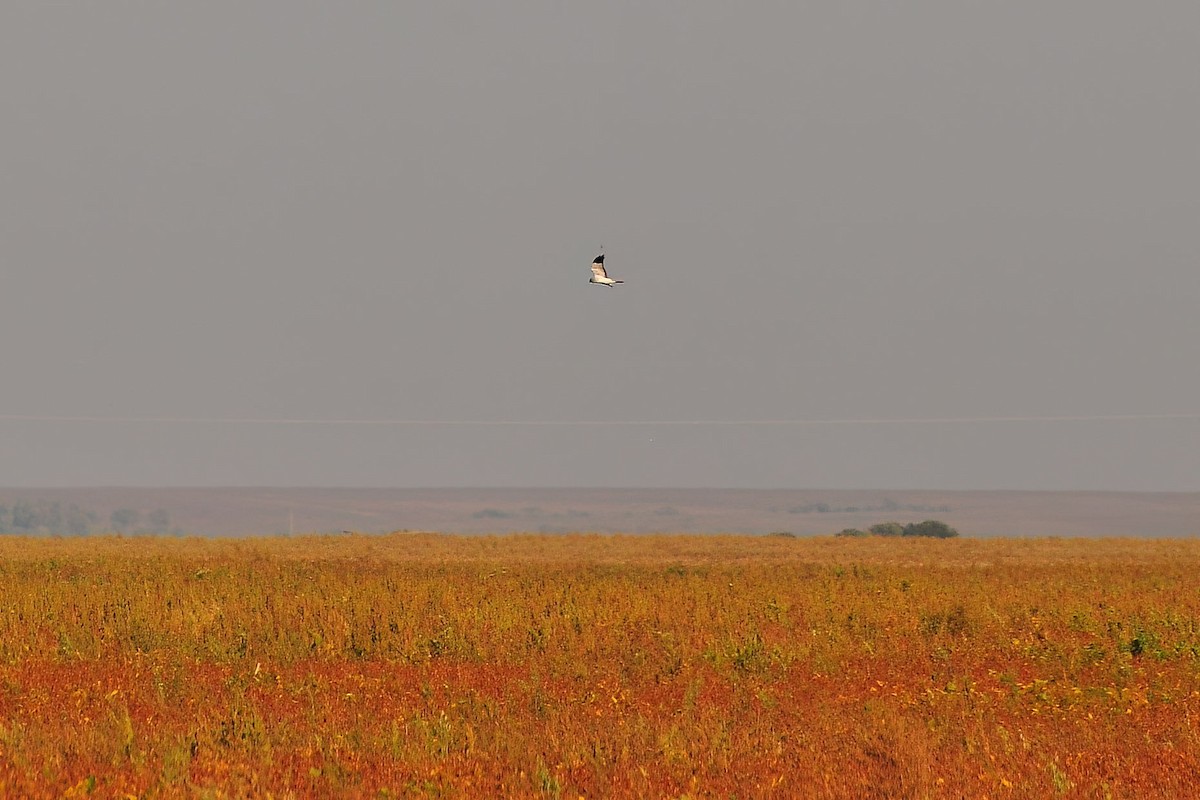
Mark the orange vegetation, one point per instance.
(599, 666)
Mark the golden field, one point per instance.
(414, 665)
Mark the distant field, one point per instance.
(599, 666)
(266, 511)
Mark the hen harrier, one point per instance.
(599, 275)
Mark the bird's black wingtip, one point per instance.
(599, 259)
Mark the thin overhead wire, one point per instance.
(96, 419)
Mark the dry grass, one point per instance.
(597, 666)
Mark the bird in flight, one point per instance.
(599, 275)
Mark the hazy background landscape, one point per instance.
(263, 511)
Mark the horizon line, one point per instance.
(595, 423)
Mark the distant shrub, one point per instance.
(491, 513)
(887, 529)
(930, 527)
(782, 534)
(851, 532)
(124, 519)
(159, 520)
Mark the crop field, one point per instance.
(414, 665)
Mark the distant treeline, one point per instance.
(54, 518)
(930, 527)
(886, 505)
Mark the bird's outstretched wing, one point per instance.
(598, 267)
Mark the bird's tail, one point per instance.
(618, 281)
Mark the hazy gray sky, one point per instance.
(387, 211)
